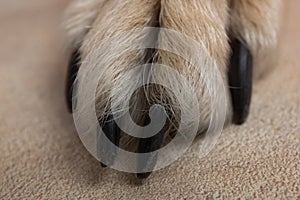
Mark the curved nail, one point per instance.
(106, 152)
(73, 68)
(147, 145)
(240, 81)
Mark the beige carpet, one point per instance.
(41, 156)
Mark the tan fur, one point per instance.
(127, 16)
(79, 18)
(211, 23)
(257, 23)
(204, 22)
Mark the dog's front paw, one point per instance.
(203, 43)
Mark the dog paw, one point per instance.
(237, 38)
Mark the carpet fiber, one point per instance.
(42, 158)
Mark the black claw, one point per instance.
(103, 165)
(106, 152)
(147, 145)
(240, 81)
(143, 175)
(71, 77)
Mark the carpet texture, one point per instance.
(41, 156)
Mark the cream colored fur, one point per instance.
(257, 24)
(79, 18)
(210, 22)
